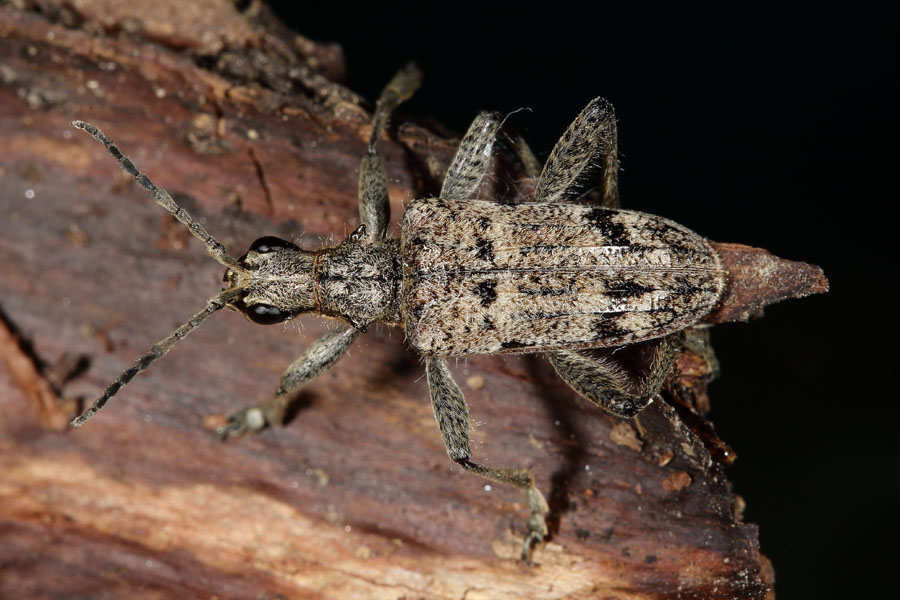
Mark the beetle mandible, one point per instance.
(475, 277)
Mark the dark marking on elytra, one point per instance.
(487, 292)
(539, 249)
(607, 326)
(417, 242)
(623, 288)
(515, 345)
(485, 250)
(686, 289)
(417, 310)
(603, 220)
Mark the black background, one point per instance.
(768, 127)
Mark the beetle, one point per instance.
(470, 276)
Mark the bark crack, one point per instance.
(261, 175)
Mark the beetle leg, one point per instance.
(529, 161)
(452, 415)
(472, 158)
(606, 385)
(374, 206)
(591, 136)
(318, 358)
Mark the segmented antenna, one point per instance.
(162, 197)
(216, 250)
(159, 350)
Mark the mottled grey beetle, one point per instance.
(475, 277)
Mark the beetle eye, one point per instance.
(266, 314)
(271, 243)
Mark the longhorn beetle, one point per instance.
(472, 276)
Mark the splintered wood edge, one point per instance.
(758, 278)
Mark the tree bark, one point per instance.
(244, 123)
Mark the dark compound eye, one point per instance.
(270, 243)
(266, 314)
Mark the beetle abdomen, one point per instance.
(482, 277)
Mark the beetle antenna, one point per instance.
(162, 197)
(159, 350)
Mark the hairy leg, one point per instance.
(472, 158)
(318, 358)
(590, 141)
(606, 385)
(452, 415)
(529, 161)
(374, 207)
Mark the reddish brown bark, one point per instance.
(758, 278)
(355, 497)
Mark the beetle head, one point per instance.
(276, 282)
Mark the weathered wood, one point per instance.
(758, 278)
(355, 497)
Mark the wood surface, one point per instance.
(244, 123)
